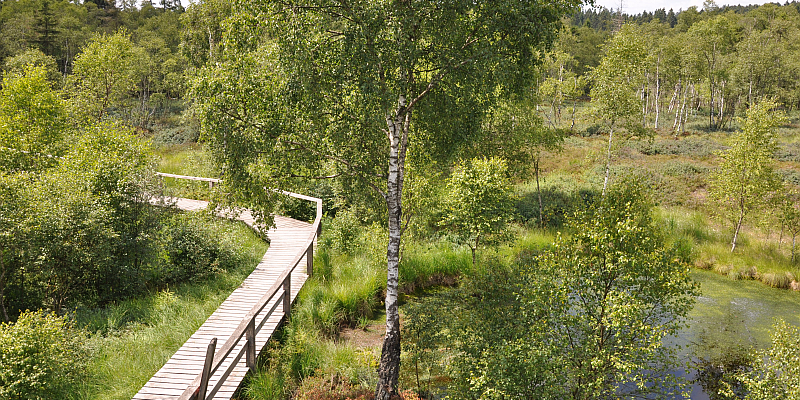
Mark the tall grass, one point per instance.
(431, 265)
(134, 338)
(346, 291)
(186, 159)
(709, 248)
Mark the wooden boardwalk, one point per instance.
(179, 377)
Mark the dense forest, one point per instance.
(545, 196)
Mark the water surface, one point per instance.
(731, 316)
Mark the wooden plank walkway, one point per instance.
(287, 239)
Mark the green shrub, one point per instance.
(344, 231)
(561, 197)
(195, 247)
(42, 356)
(479, 204)
(593, 130)
(776, 370)
(684, 169)
(175, 135)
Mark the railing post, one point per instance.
(310, 259)
(251, 344)
(287, 296)
(207, 369)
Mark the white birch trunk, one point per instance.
(389, 368)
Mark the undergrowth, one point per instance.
(132, 339)
(309, 360)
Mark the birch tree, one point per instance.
(479, 203)
(745, 177)
(789, 209)
(104, 75)
(713, 40)
(522, 134)
(33, 121)
(337, 89)
(616, 82)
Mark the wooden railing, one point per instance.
(211, 181)
(249, 327)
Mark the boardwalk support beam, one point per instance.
(201, 395)
(310, 259)
(287, 296)
(250, 334)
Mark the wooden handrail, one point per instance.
(191, 178)
(211, 181)
(248, 327)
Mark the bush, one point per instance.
(560, 199)
(595, 129)
(195, 247)
(88, 231)
(776, 371)
(344, 231)
(175, 135)
(42, 356)
(679, 168)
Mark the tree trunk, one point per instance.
(721, 111)
(574, 108)
(560, 94)
(684, 110)
(736, 232)
(389, 368)
(608, 158)
(658, 91)
(645, 99)
(711, 63)
(678, 110)
(474, 250)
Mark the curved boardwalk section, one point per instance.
(179, 377)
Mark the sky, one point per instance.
(637, 6)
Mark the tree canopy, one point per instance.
(479, 203)
(746, 179)
(584, 319)
(351, 88)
